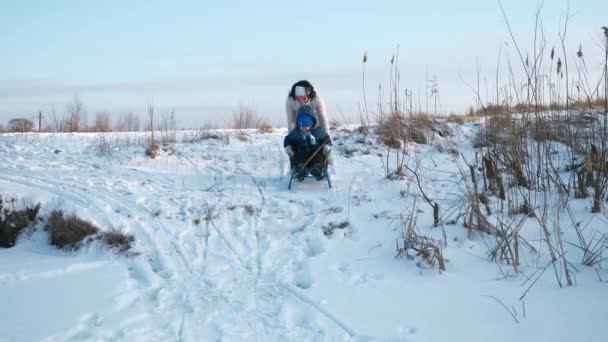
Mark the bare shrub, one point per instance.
(13, 220)
(245, 117)
(168, 128)
(75, 120)
(102, 122)
(20, 125)
(128, 122)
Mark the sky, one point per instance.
(205, 58)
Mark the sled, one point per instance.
(308, 175)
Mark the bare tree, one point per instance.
(128, 122)
(75, 120)
(168, 128)
(103, 122)
(21, 125)
(56, 122)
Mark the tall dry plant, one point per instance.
(153, 149)
(245, 117)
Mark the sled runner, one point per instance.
(308, 175)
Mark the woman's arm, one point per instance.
(322, 114)
(291, 114)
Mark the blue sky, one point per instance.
(205, 57)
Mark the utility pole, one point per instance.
(39, 121)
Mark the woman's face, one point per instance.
(302, 99)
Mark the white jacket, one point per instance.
(318, 105)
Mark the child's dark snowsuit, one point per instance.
(304, 145)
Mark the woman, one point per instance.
(303, 93)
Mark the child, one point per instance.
(303, 141)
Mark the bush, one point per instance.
(13, 221)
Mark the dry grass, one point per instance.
(460, 119)
(427, 248)
(266, 127)
(152, 151)
(71, 233)
(391, 131)
(103, 146)
(245, 117)
(243, 136)
(14, 221)
(331, 227)
(494, 129)
(396, 129)
(118, 241)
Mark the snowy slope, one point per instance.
(225, 252)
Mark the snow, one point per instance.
(225, 252)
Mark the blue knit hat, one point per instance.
(306, 117)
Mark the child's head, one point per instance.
(305, 120)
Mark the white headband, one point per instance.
(300, 91)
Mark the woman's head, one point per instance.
(302, 91)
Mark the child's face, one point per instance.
(305, 129)
(302, 99)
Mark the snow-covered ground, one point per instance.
(225, 252)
